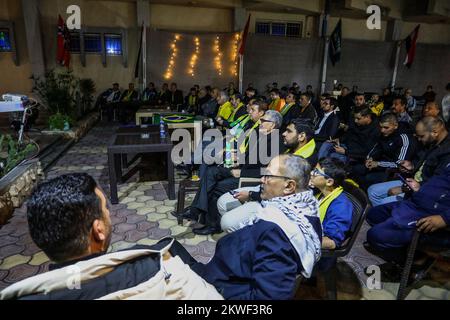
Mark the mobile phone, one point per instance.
(233, 192)
(400, 177)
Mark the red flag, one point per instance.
(63, 53)
(244, 36)
(411, 42)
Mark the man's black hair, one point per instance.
(364, 112)
(335, 169)
(402, 99)
(238, 96)
(303, 125)
(275, 90)
(60, 215)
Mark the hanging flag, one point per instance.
(244, 36)
(63, 43)
(335, 43)
(410, 43)
(138, 61)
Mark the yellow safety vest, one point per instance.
(225, 110)
(244, 145)
(286, 108)
(231, 118)
(306, 151)
(325, 202)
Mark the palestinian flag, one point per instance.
(410, 43)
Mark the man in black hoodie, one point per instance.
(356, 142)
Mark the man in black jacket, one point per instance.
(430, 161)
(307, 110)
(328, 125)
(176, 97)
(391, 148)
(289, 111)
(356, 142)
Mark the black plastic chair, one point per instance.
(415, 245)
(360, 207)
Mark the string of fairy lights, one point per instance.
(218, 58)
(194, 59)
(234, 68)
(174, 50)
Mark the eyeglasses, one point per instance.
(269, 176)
(317, 172)
(265, 120)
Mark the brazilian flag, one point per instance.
(335, 43)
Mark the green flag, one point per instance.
(335, 43)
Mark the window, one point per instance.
(278, 29)
(262, 28)
(113, 44)
(294, 30)
(283, 29)
(5, 42)
(75, 45)
(92, 43)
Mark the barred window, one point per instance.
(92, 43)
(282, 29)
(113, 44)
(5, 42)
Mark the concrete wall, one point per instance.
(15, 78)
(191, 19)
(113, 14)
(369, 64)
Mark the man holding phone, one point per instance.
(434, 137)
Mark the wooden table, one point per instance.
(196, 125)
(133, 144)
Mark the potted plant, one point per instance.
(12, 154)
(57, 93)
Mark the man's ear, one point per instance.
(330, 182)
(98, 231)
(291, 186)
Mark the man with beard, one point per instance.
(435, 156)
(69, 219)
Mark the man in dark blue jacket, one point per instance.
(283, 239)
(428, 210)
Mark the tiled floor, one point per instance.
(143, 217)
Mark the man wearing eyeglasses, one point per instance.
(328, 124)
(263, 256)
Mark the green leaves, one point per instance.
(11, 154)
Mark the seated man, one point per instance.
(191, 101)
(328, 125)
(217, 179)
(175, 97)
(435, 156)
(150, 95)
(356, 142)
(391, 148)
(69, 219)
(225, 107)
(431, 109)
(129, 103)
(290, 110)
(298, 140)
(393, 224)
(108, 98)
(335, 209)
(399, 109)
(307, 110)
(130, 94)
(282, 239)
(376, 105)
(276, 101)
(239, 110)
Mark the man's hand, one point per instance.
(370, 164)
(395, 191)
(431, 224)
(236, 173)
(413, 184)
(406, 164)
(219, 120)
(328, 243)
(339, 149)
(343, 126)
(242, 196)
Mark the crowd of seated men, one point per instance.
(277, 229)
